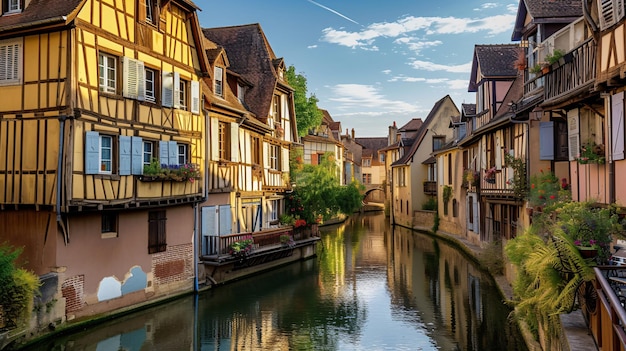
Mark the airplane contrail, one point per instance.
(333, 11)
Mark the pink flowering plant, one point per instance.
(545, 190)
(243, 246)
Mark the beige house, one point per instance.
(324, 140)
(415, 173)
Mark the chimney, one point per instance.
(352, 133)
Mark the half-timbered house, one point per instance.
(101, 132)
(323, 142)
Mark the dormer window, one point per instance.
(13, 6)
(219, 81)
(241, 91)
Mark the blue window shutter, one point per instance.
(125, 152)
(164, 153)
(225, 220)
(546, 141)
(209, 216)
(137, 155)
(173, 152)
(92, 153)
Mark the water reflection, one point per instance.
(371, 288)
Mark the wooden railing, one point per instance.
(607, 317)
(430, 187)
(577, 69)
(498, 184)
(220, 245)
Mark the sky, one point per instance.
(373, 62)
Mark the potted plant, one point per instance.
(286, 241)
(490, 175)
(241, 247)
(554, 56)
(591, 152)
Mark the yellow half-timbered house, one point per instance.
(101, 132)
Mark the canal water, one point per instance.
(372, 287)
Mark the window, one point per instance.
(106, 154)
(150, 82)
(223, 141)
(273, 212)
(148, 152)
(381, 157)
(276, 109)
(108, 73)
(241, 92)
(219, 81)
(367, 178)
(13, 6)
(182, 154)
(438, 142)
(149, 11)
(367, 162)
(10, 61)
(156, 232)
(274, 157)
(401, 176)
(255, 150)
(108, 227)
(182, 94)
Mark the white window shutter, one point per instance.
(285, 159)
(167, 89)
(195, 97)
(573, 135)
(176, 95)
(141, 81)
(234, 142)
(130, 79)
(617, 126)
(498, 150)
(137, 155)
(125, 155)
(92, 153)
(215, 149)
(607, 13)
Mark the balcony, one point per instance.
(575, 73)
(430, 187)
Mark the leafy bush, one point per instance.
(430, 205)
(17, 288)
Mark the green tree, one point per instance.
(308, 115)
(318, 193)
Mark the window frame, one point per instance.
(183, 85)
(255, 150)
(218, 81)
(274, 157)
(149, 153)
(276, 109)
(438, 142)
(13, 54)
(104, 87)
(223, 141)
(183, 153)
(157, 231)
(150, 11)
(109, 225)
(151, 95)
(17, 4)
(101, 148)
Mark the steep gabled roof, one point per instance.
(495, 62)
(251, 57)
(41, 13)
(543, 11)
(417, 141)
(372, 143)
(412, 126)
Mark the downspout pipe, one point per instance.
(62, 119)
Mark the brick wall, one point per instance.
(175, 265)
(73, 292)
(424, 219)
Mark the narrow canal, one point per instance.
(370, 288)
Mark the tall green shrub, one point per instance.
(17, 288)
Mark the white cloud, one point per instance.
(415, 45)
(426, 25)
(433, 67)
(366, 98)
(386, 71)
(311, 46)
